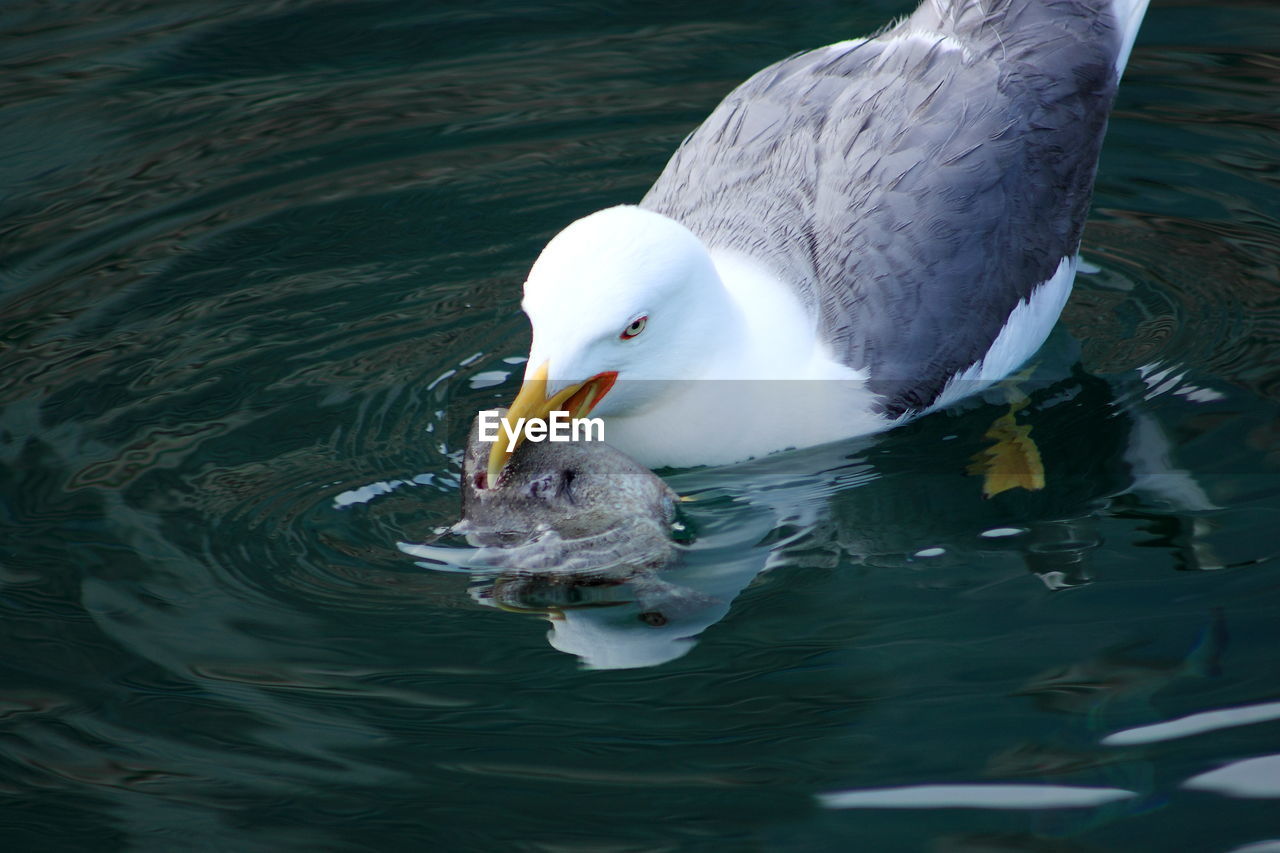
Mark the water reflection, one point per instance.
(619, 616)
(879, 502)
(987, 796)
(257, 258)
(1084, 687)
(1195, 724)
(1252, 778)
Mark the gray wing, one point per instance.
(911, 190)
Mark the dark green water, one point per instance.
(260, 264)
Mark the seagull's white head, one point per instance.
(623, 303)
(621, 291)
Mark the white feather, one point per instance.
(729, 366)
(1129, 15)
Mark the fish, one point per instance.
(582, 534)
(565, 506)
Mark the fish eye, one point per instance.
(636, 327)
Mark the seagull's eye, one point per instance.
(636, 327)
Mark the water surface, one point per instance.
(260, 263)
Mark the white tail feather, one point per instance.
(1129, 14)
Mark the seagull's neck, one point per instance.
(768, 332)
(765, 381)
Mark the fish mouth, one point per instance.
(532, 401)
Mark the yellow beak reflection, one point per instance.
(532, 402)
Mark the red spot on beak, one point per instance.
(590, 394)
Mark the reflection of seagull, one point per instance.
(1085, 686)
(896, 216)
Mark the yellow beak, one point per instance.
(532, 402)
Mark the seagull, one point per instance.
(856, 236)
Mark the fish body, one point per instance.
(581, 533)
(565, 506)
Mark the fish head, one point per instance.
(577, 489)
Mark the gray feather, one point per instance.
(910, 192)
